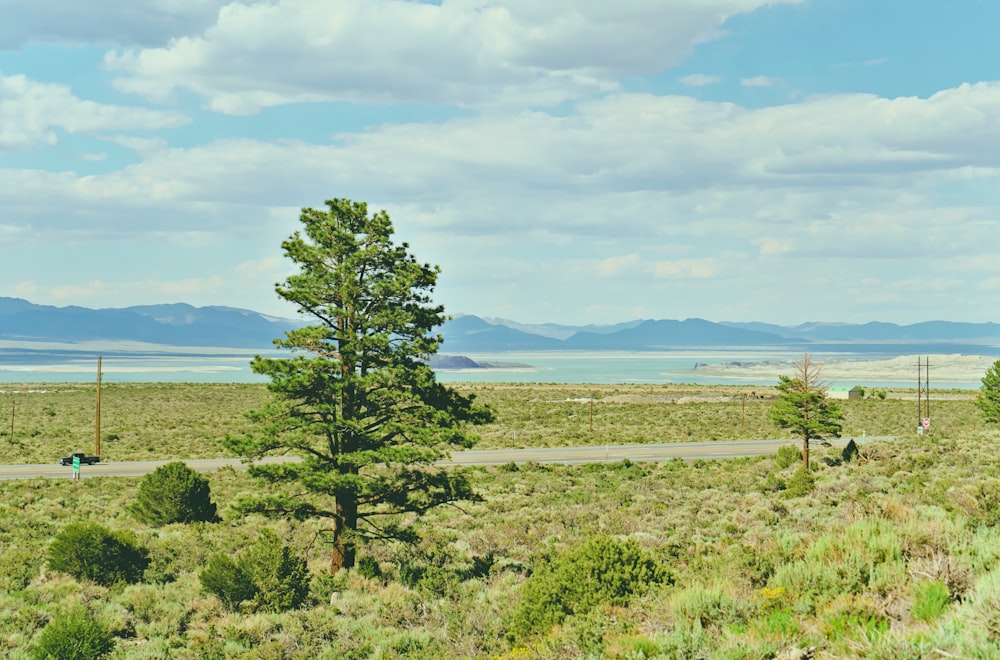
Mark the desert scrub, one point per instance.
(268, 574)
(600, 570)
(92, 552)
(74, 635)
(174, 493)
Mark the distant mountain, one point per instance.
(651, 335)
(184, 325)
(174, 325)
(471, 334)
(928, 331)
(559, 331)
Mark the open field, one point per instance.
(893, 554)
(162, 421)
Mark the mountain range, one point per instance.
(184, 325)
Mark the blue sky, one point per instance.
(572, 161)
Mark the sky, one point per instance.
(568, 161)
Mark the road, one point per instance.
(568, 455)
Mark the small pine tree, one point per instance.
(174, 493)
(989, 395)
(803, 407)
(74, 635)
(92, 552)
(601, 570)
(268, 574)
(280, 577)
(224, 578)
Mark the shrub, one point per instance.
(989, 395)
(787, 455)
(930, 597)
(174, 493)
(601, 570)
(801, 483)
(280, 577)
(90, 551)
(74, 635)
(227, 581)
(850, 451)
(368, 567)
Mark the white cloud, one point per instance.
(137, 22)
(265, 266)
(31, 113)
(615, 265)
(464, 52)
(760, 81)
(686, 268)
(699, 80)
(125, 292)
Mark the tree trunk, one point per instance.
(344, 551)
(805, 453)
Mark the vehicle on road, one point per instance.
(84, 459)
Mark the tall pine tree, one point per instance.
(988, 398)
(803, 407)
(356, 399)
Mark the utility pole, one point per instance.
(97, 421)
(12, 420)
(923, 395)
(591, 413)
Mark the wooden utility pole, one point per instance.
(923, 394)
(591, 413)
(97, 421)
(12, 421)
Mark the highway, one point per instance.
(713, 450)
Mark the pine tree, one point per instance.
(803, 407)
(989, 395)
(356, 398)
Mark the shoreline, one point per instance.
(943, 368)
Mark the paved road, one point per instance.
(568, 455)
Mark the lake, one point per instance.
(37, 363)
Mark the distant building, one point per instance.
(844, 392)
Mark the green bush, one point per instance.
(368, 567)
(224, 578)
(74, 635)
(601, 570)
(280, 577)
(174, 493)
(92, 552)
(801, 483)
(787, 455)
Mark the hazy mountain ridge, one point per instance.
(180, 324)
(176, 324)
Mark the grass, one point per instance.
(893, 554)
(164, 421)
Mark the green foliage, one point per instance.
(368, 567)
(601, 570)
(803, 407)
(800, 484)
(74, 635)
(787, 455)
(357, 398)
(930, 598)
(174, 493)
(225, 579)
(989, 395)
(280, 577)
(92, 552)
(268, 574)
